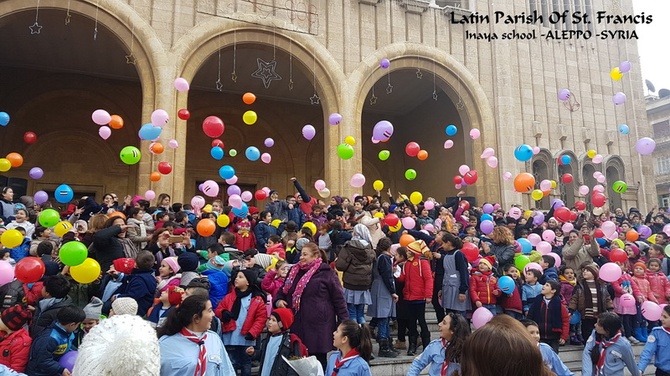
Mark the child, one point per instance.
(54, 297)
(243, 315)
(484, 288)
(275, 247)
(548, 355)
(511, 303)
(658, 281)
(549, 271)
(568, 283)
(123, 306)
(443, 354)
(15, 342)
(606, 351)
(324, 241)
(274, 279)
(530, 289)
(279, 343)
(141, 284)
(657, 345)
(551, 315)
(213, 271)
(188, 264)
(6, 256)
(384, 296)
(625, 286)
(53, 342)
(354, 349)
(588, 290)
(93, 311)
(168, 300)
(244, 237)
(168, 275)
(23, 250)
(640, 280)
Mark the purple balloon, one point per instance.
(564, 94)
(645, 146)
(624, 66)
(557, 203)
(619, 98)
(487, 208)
(334, 118)
(644, 231)
(36, 173)
(538, 219)
(234, 190)
(40, 197)
(200, 187)
(67, 360)
(486, 227)
(308, 131)
(269, 142)
(382, 131)
(385, 63)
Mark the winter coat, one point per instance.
(108, 246)
(218, 285)
(278, 209)
(567, 289)
(45, 314)
(644, 288)
(290, 347)
(21, 251)
(140, 285)
(15, 350)
(355, 261)
(512, 302)
(322, 307)
(504, 254)
(373, 224)
(137, 232)
(656, 347)
(277, 250)
(256, 316)
(660, 286)
(263, 231)
(575, 254)
(484, 288)
(578, 302)
(242, 243)
(418, 280)
(46, 349)
(271, 284)
(549, 274)
(552, 319)
(624, 286)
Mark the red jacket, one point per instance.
(245, 242)
(484, 288)
(271, 284)
(256, 317)
(16, 346)
(659, 286)
(512, 302)
(418, 279)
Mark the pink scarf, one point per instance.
(312, 267)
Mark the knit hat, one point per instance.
(83, 224)
(253, 210)
(640, 264)
(124, 306)
(249, 274)
(419, 247)
(488, 260)
(284, 316)
(15, 317)
(338, 199)
(188, 261)
(264, 260)
(93, 310)
(175, 295)
(124, 265)
(593, 268)
(173, 264)
(120, 345)
(301, 242)
(634, 247)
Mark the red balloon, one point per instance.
(598, 233)
(412, 149)
(164, 168)
(470, 251)
(260, 195)
(562, 214)
(184, 114)
(391, 219)
(458, 179)
(216, 142)
(29, 269)
(580, 205)
(618, 255)
(29, 137)
(598, 199)
(470, 177)
(213, 126)
(567, 178)
(573, 216)
(465, 204)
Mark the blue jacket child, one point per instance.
(658, 340)
(141, 283)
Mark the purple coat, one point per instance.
(322, 307)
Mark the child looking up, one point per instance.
(551, 315)
(531, 288)
(354, 349)
(443, 354)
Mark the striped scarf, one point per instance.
(201, 367)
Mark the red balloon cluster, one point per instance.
(598, 199)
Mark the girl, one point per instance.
(168, 275)
(606, 351)
(324, 241)
(355, 347)
(658, 281)
(625, 286)
(187, 346)
(384, 297)
(21, 219)
(402, 308)
(274, 279)
(7, 204)
(644, 287)
(243, 315)
(355, 261)
(484, 289)
(444, 354)
(588, 290)
(455, 283)
(568, 283)
(40, 235)
(657, 346)
(511, 303)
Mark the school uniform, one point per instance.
(179, 356)
(617, 356)
(657, 346)
(552, 360)
(432, 355)
(355, 366)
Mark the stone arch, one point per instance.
(614, 170)
(567, 191)
(542, 167)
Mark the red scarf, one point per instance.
(665, 329)
(445, 364)
(340, 362)
(604, 345)
(201, 367)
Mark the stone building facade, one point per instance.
(62, 60)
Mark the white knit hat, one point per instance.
(124, 306)
(119, 345)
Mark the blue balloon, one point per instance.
(526, 247)
(601, 241)
(226, 172)
(63, 194)
(486, 217)
(623, 129)
(451, 130)
(241, 212)
(252, 153)
(576, 318)
(149, 132)
(565, 159)
(523, 153)
(4, 118)
(506, 284)
(217, 153)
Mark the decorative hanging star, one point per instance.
(266, 72)
(389, 89)
(68, 16)
(419, 74)
(219, 85)
(35, 28)
(373, 100)
(233, 76)
(314, 99)
(435, 94)
(290, 84)
(130, 59)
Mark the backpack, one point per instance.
(296, 342)
(12, 293)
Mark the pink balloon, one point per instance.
(438, 223)
(567, 227)
(601, 179)
(599, 188)
(105, 132)
(233, 180)
(246, 196)
(319, 185)
(308, 131)
(557, 259)
(429, 205)
(101, 117)
(429, 227)
(266, 158)
(198, 202)
(545, 185)
(235, 201)
(534, 239)
(181, 84)
(597, 158)
(507, 175)
(357, 181)
(544, 247)
(536, 150)
(210, 188)
(481, 316)
(583, 190)
(627, 301)
(149, 195)
(266, 190)
(408, 223)
(492, 162)
(6, 272)
(463, 169)
(532, 265)
(514, 213)
(651, 311)
(159, 118)
(448, 144)
(458, 186)
(610, 272)
(488, 152)
(548, 235)
(608, 227)
(173, 144)
(475, 133)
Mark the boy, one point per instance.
(279, 343)
(23, 250)
(15, 340)
(169, 299)
(530, 289)
(53, 342)
(551, 315)
(54, 297)
(141, 284)
(227, 240)
(213, 270)
(93, 311)
(549, 271)
(548, 355)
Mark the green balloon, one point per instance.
(521, 261)
(384, 155)
(410, 174)
(73, 253)
(345, 151)
(49, 218)
(619, 187)
(232, 152)
(130, 155)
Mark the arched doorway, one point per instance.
(567, 190)
(614, 171)
(587, 173)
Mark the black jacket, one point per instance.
(289, 348)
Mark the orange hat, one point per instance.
(640, 264)
(488, 260)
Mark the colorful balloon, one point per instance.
(382, 131)
(63, 194)
(308, 131)
(29, 269)
(86, 272)
(213, 126)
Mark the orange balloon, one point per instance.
(116, 122)
(155, 176)
(546, 193)
(206, 227)
(15, 159)
(248, 98)
(524, 182)
(405, 239)
(423, 155)
(156, 148)
(632, 235)
(117, 214)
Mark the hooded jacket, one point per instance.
(355, 261)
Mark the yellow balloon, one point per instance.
(223, 220)
(378, 185)
(86, 272)
(5, 165)
(11, 238)
(324, 193)
(652, 239)
(207, 209)
(553, 184)
(616, 74)
(249, 117)
(537, 195)
(415, 198)
(591, 153)
(275, 223)
(379, 215)
(62, 228)
(350, 140)
(311, 226)
(527, 213)
(396, 228)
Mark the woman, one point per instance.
(502, 248)
(384, 297)
(109, 203)
(111, 243)
(187, 346)
(576, 253)
(163, 202)
(355, 261)
(7, 204)
(455, 283)
(313, 285)
(95, 224)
